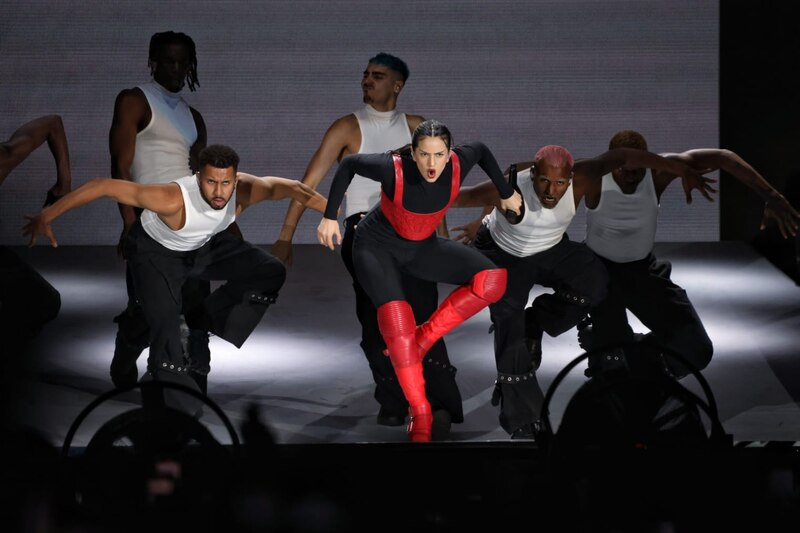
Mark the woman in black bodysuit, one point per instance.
(399, 236)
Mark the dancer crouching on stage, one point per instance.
(398, 236)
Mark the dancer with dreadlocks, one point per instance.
(398, 237)
(155, 137)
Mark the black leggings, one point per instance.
(382, 257)
(423, 296)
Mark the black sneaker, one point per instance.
(387, 418)
(124, 372)
(585, 337)
(526, 432)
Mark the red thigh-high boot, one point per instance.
(485, 287)
(397, 325)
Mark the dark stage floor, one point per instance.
(304, 370)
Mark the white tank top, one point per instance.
(202, 220)
(380, 131)
(162, 147)
(540, 229)
(622, 228)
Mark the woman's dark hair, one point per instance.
(431, 128)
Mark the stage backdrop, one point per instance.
(275, 74)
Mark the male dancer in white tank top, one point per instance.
(621, 227)
(155, 137)
(376, 128)
(538, 250)
(182, 234)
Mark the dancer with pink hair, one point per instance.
(537, 250)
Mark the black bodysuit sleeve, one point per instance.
(378, 167)
(478, 153)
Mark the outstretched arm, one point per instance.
(776, 207)
(330, 150)
(378, 167)
(252, 189)
(484, 195)
(470, 229)
(480, 195)
(631, 158)
(165, 200)
(479, 153)
(28, 138)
